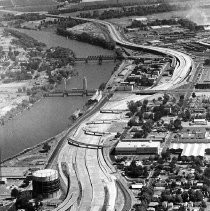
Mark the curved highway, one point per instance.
(183, 66)
(92, 186)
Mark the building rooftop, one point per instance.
(189, 149)
(137, 144)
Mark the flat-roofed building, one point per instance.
(137, 148)
(140, 19)
(199, 122)
(204, 81)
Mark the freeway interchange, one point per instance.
(92, 182)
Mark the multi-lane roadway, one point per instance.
(94, 185)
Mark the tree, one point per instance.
(166, 155)
(139, 134)
(132, 122)
(182, 208)
(199, 195)
(102, 86)
(193, 95)
(192, 195)
(15, 192)
(179, 199)
(145, 102)
(46, 147)
(141, 208)
(132, 106)
(157, 116)
(177, 124)
(139, 115)
(165, 197)
(203, 204)
(185, 196)
(174, 159)
(207, 172)
(186, 115)
(165, 98)
(147, 126)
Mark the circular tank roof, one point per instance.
(45, 173)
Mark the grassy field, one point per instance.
(28, 5)
(6, 3)
(32, 3)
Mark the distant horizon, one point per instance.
(92, 0)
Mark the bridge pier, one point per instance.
(100, 59)
(65, 93)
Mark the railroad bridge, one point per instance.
(99, 58)
(72, 92)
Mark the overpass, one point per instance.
(183, 68)
(170, 91)
(82, 144)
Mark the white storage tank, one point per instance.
(46, 183)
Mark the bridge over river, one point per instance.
(71, 92)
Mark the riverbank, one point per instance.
(31, 153)
(88, 32)
(14, 160)
(28, 71)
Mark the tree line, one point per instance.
(129, 11)
(85, 37)
(97, 6)
(24, 40)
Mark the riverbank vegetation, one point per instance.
(90, 33)
(23, 16)
(130, 11)
(24, 40)
(32, 70)
(107, 4)
(69, 22)
(85, 37)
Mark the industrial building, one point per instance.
(204, 81)
(137, 148)
(45, 183)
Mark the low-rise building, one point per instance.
(199, 122)
(137, 148)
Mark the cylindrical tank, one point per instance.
(45, 183)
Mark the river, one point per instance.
(49, 116)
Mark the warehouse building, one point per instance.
(137, 148)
